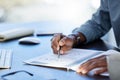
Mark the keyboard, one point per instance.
(5, 58)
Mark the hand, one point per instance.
(66, 43)
(98, 62)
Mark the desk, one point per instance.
(25, 52)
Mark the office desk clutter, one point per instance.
(25, 57)
(29, 40)
(15, 33)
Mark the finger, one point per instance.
(100, 71)
(101, 60)
(92, 63)
(64, 49)
(59, 40)
(88, 68)
(88, 65)
(66, 44)
(62, 41)
(83, 66)
(54, 49)
(55, 42)
(66, 41)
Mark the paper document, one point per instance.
(15, 33)
(70, 60)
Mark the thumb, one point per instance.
(62, 42)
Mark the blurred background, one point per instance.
(75, 11)
(72, 11)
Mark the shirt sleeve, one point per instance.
(99, 24)
(113, 61)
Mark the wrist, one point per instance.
(76, 39)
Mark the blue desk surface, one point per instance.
(25, 52)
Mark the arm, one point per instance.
(93, 29)
(98, 26)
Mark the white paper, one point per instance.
(71, 59)
(15, 33)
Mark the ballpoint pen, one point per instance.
(59, 51)
(59, 47)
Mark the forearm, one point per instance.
(92, 30)
(98, 25)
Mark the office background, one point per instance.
(70, 11)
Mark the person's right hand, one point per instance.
(66, 43)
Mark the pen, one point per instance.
(59, 46)
(45, 34)
(59, 51)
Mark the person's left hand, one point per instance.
(98, 62)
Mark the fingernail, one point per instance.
(61, 43)
(95, 73)
(61, 52)
(78, 71)
(57, 48)
(83, 72)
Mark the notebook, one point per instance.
(71, 60)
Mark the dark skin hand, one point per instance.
(98, 62)
(66, 42)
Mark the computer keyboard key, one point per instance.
(5, 58)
